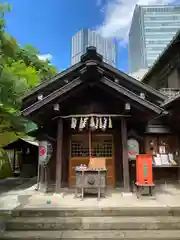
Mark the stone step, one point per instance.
(98, 212)
(121, 235)
(94, 223)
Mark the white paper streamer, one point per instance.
(73, 122)
(104, 126)
(97, 123)
(92, 123)
(84, 122)
(110, 123)
(100, 123)
(81, 124)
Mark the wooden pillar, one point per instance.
(125, 160)
(41, 185)
(14, 160)
(178, 156)
(59, 154)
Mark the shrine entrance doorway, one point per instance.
(91, 144)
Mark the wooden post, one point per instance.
(45, 178)
(90, 147)
(14, 160)
(59, 154)
(125, 155)
(41, 178)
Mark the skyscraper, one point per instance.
(85, 38)
(152, 28)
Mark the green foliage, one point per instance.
(11, 121)
(5, 168)
(25, 76)
(31, 49)
(7, 137)
(20, 71)
(43, 68)
(4, 8)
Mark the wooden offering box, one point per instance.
(93, 178)
(91, 181)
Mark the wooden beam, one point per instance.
(55, 79)
(109, 70)
(93, 115)
(125, 156)
(50, 138)
(46, 136)
(59, 154)
(59, 92)
(132, 95)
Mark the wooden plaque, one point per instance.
(97, 162)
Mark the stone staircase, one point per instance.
(108, 223)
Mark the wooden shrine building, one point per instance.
(93, 109)
(23, 155)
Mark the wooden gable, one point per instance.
(89, 73)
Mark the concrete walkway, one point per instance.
(12, 189)
(166, 196)
(25, 196)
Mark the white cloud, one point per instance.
(45, 57)
(118, 15)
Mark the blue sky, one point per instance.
(50, 24)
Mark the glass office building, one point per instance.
(85, 38)
(152, 28)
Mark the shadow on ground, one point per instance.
(17, 183)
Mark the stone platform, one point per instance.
(165, 195)
(118, 216)
(132, 223)
(25, 196)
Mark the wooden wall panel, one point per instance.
(81, 145)
(148, 140)
(164, 174)
(171, 141)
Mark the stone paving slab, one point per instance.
(94, 223)
(26, 197)
(170, 235)
(20, 194)
(115, 200)
(121, 235)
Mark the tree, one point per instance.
(20, 70)
(31, 49)
(29, 54)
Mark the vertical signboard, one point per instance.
(144, 172)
